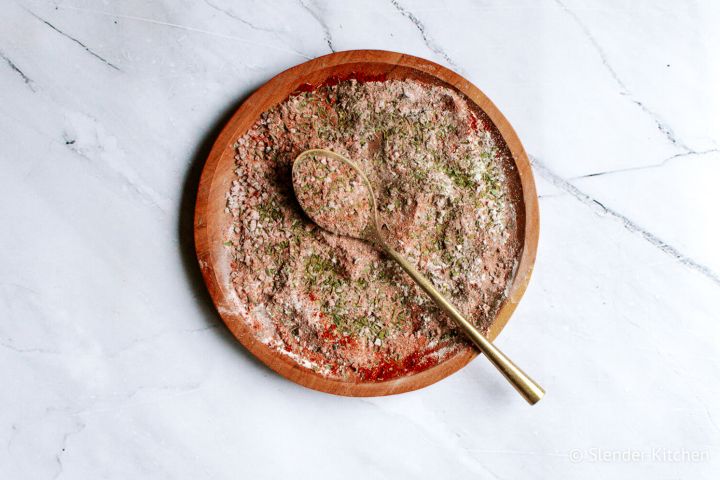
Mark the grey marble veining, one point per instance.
(114, 364)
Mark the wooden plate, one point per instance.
(212, 223)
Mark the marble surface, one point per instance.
(113, 363)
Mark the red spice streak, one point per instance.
(387, 369)
(331, 333)
(304, 87)
(335, 79)
(479, 123)
(473, 122)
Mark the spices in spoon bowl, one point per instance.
(333, 194)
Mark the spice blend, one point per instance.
(447, 200)
(333, 195)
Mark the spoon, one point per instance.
(353, 212)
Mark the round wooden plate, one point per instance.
(212, 224)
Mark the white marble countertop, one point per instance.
(113, 363)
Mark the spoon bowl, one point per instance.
(335, 193)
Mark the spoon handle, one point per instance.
(531, 391)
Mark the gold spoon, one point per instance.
(316, 210)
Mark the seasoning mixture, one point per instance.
(447, 200)
(333, 195)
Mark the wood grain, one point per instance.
(212, 223)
